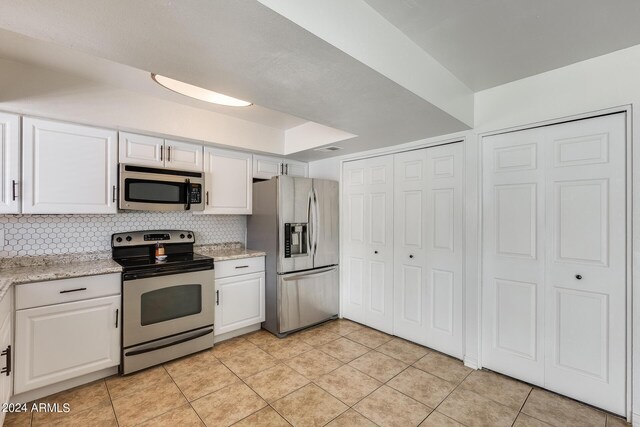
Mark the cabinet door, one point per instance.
(183, 155)
(293, 168)
(141, 150)
(63, 341)
(68, 168)
(6, 319)
(266, 167)
(9, 163)
(239, 302)
(229, 183)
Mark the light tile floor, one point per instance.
(337, 374)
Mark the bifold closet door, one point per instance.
(368, 242)
(554, 283)
(428, 217)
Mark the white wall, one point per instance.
(31, 90)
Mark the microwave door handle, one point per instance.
(188, 205)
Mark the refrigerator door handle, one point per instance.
(314, 273)
(316, 217)
(310, 225)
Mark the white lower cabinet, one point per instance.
(240, 298)
(62, 341)
(6, 350)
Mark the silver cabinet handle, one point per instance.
(114, 194)
(217, 297)
(281, 168)
(242, 266)
(169, 154)
(286, 169)
(161, 152)
(207, 197)
(117, 317)
(13, 189)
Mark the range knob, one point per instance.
(189, 236)
(118, 239)
(182, 236)
(129, 238)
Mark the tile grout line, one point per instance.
(522, 407)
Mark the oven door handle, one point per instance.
(188, 205)
(180, 341)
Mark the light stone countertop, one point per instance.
(227, 253)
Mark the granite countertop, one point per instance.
(28, 269)
(227, 252)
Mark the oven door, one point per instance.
(159, 306)
(151, 189)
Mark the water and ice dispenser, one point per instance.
(295, 239)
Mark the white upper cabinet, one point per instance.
(9, 163)
(183, 155)
(141, 149)
(266, 167)
(229, 182)
(68, 168)
(145, 150)
(294, 168)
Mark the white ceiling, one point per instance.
(296, 75)
(491, 42)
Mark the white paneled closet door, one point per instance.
(368, 269)
(513, 258)
(444, 254)
(410, 314)
(428, 247)
(586, 261)
(554, 284)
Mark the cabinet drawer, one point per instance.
(59, 291)
(235, 267)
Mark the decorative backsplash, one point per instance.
(55, 234)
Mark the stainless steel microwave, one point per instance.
(151, 189)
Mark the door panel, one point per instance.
(513, 265)
(586, 238)
(143, 150)
(184, 156)
(327, 247)
(308, 298)
(411, 309)
(240, 302)
(295, 201)
(444, 252)
(9, 163)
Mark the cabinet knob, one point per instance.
(579, 276)
(375, 252)
(410, 256)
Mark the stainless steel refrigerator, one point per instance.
(295, 220)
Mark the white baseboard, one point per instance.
(237, 332)
(635, 419)
(31, 395)
(471, 362)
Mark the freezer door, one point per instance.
(324, 229)
(295, 196)
(307, 298)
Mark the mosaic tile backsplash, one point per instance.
(55, 234)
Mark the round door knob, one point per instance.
(579, 276)
(410, 256)
(375, 252)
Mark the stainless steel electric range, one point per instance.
(167, 305)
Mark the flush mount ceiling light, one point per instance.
(198, 92)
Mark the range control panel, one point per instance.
(151, 237)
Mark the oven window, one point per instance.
(170, 303)
(139, 190)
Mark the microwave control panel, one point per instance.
(196, 193)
